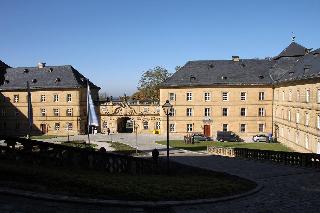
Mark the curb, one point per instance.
(71, 199)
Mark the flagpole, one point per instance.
(88, 126)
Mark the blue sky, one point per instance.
(114, 42)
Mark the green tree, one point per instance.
(149, 83)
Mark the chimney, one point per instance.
(235, 58)
(41, 65)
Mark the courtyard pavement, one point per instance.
(286, 188)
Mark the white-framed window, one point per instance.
(55, 98)
(307, 119)
(43, 98)
(207, 96)
(243, 96)
(57, 126)
(318, 121)
(189, 96)
(306, 141)
(298, 96)
(261, 96)
(297, 137)
(145, 125)
(69, 126)
(172, 127)
(290, 95)
(261, 127)
(158, 125)
(261, 112)
(307, 95)
(172, 112)
(318, 95)
(289, 115)
(243, 112)
(189, 127)
(189, 112)
(15, 98)
(282, 113)
(43, 112)
(207, 112)
(69, 112)
(172, 96)
(282, 132)
(224, 127)
(242, 127)
(69, 97)
(283, 95)
(224, 111)
(297, 117)
(56, 112)
(225, 96)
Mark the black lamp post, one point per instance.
(167, 107)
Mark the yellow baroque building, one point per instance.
(278, 96)
(122, 116)
(58, 95)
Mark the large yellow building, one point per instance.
(58, 96)
(249, 97)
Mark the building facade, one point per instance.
(122, 116)
(59, 100)
(278, 96)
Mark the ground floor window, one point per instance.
(224, 127)
(105, 124)
(145, 125)
(158, 125)
(242, 128)
(189, 128)
(172, 127)
(57, 126)
(69, 126)
(261, 127)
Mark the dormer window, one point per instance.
(34, 80)
(291, 73)
(25, 71)
(261, 76)
(307, 68)
(50, 69)
(192, 78)
(315, 54)
(224, 77)
(211, 66)
(6, 81)
(57, 80)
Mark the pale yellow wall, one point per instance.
(50, 119)
(288, 130)
(216, 104)
(139, 113)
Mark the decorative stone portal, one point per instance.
(124, 125)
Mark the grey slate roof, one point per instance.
(207, 72)
(293, 50)
(3, 65)
(48, 77)
(290, 64)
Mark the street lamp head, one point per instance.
(167, 107)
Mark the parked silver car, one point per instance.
(260, 138)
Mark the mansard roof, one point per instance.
(293, 50)
(48, 77)
(293, 63)
(220, 72)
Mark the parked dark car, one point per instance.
(260, 138)
(228, 136)
(200, 137)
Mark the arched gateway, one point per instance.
(124, 125)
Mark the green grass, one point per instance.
(187, 183)
(123, 148)
(80, 144)
(45, 136)
(203, 145)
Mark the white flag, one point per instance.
(91, 112)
